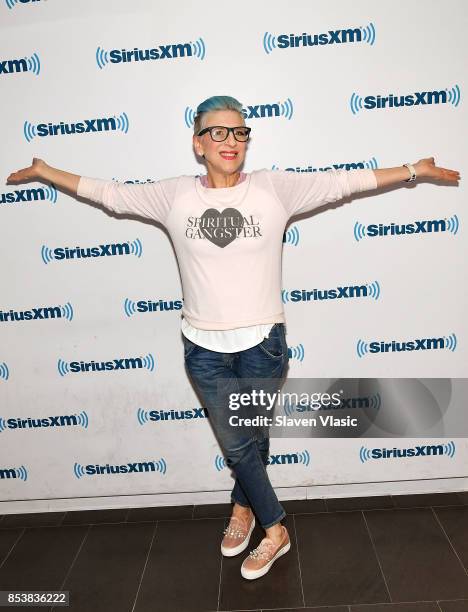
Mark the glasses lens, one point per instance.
(241, 134)
(219, 133)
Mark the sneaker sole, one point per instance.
(252, 574)
(232, 552)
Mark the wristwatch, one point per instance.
(412, 172)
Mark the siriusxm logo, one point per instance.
(23, 64)
(157, 416)
(43, 312)
(126, 363)
(418, 344)
(371, 290)
(257, 111)
(103, 124)
(350, 35)
(296, 352)
(135, 181)
(140, 467)
(425, 226)
(123, 56)
(67, 420)
(131, 307)
(372, 164)
(4, 371)
(280, 459)
(372, 402)
(103, 250)
(418, 98)
(29, 195)
(428, 450)
(16, 472)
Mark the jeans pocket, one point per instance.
(189, 346)
(274, 344)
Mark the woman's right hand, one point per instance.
(40, 171)
(32, 173)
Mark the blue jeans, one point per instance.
(246, 449)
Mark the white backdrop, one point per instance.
(310, 108)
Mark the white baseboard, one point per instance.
(401, 487)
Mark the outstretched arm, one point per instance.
(303, 192)
(150, 201)
(40, 171)
(425, 168)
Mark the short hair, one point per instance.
(215, 103)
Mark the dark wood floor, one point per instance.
(375, 554)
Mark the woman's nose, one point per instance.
(231, 141)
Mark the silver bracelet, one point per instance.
(412, 173)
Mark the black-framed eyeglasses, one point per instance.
(219, 133)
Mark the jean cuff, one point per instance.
(281, 517)
(234, 501)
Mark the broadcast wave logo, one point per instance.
(67, 420)
(372, 402)
(257, 111)
(291, 236)
(418, 344)
(137, 467)
(360, 165)
(418, 98)
(143, 416)
(371, 290)
(429, 450)
(30, 195)
(24, 64)
(4, 371)
(11, 3)
(103, 250)
(125, 363)
(279, 459)
(16, 472)
(42, 312)
(101, 124)
(296, 352)
(423, 226)
(364, 34)
(174, 51)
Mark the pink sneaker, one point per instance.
(237, 535)
(260, 559)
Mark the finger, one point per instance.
(455, 172)
(449, 175)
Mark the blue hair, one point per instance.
(215, 103)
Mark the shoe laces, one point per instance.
(264, 550)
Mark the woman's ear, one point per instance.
(197, 146)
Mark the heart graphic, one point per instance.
(229, 218)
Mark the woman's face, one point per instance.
(223, 157)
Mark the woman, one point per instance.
(227, 230)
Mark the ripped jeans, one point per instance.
(246, 448)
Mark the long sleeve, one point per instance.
(149, 200)
(303, 192)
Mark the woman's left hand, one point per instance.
(426, 168)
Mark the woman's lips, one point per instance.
(228, 155)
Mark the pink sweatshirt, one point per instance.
(228, 241)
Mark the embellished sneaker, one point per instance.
(260, 559)
(237, 535)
